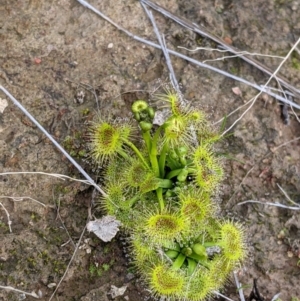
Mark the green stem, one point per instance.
(193, 170)
(153, 152)
(134, 148)
(124, 155)
(147, 139)
(132, 201)
(200, 259)
(162, 160)
(192, 264)
(165, 183)
(178, 262)
(160, 199)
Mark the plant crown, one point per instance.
(161, 188)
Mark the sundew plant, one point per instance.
(161, 187)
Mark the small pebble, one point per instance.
(228, 40)
(294, 5)
(3, 104)
(51, 285)
(129, 276)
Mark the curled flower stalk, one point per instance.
(161, 188)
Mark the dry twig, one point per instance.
(206, 33)
(162, 44)
(238, 54)
(21, 199)
(137, 38)
(273, 75)
(61, 149)
(63, 224)
(239, 286)
(221, 295)
(16, 199)
(270, 204)
(284, 144)
(59, 176)
(10, 288)
(287, 196)
(9, 222)
(69, 264)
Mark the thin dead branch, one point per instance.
(9, 222)
(162, 44)
(273, 75)
(21, 199)
(69, 264)
(239, 286)
(287, 196)
(234, 111)
(206, 33)
(284, 144)
(16, 199)
(10, 288)
(239, 54)
(62, 223)
(227, 74)
(55, 175)
(221, 295)
(61, 149)
(270, 204)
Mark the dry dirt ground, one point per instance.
(53, 52)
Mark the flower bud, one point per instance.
(199, 249)
(183, 175)
(171, 254)
(151, 112)
(145, 126)
(181, 150)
